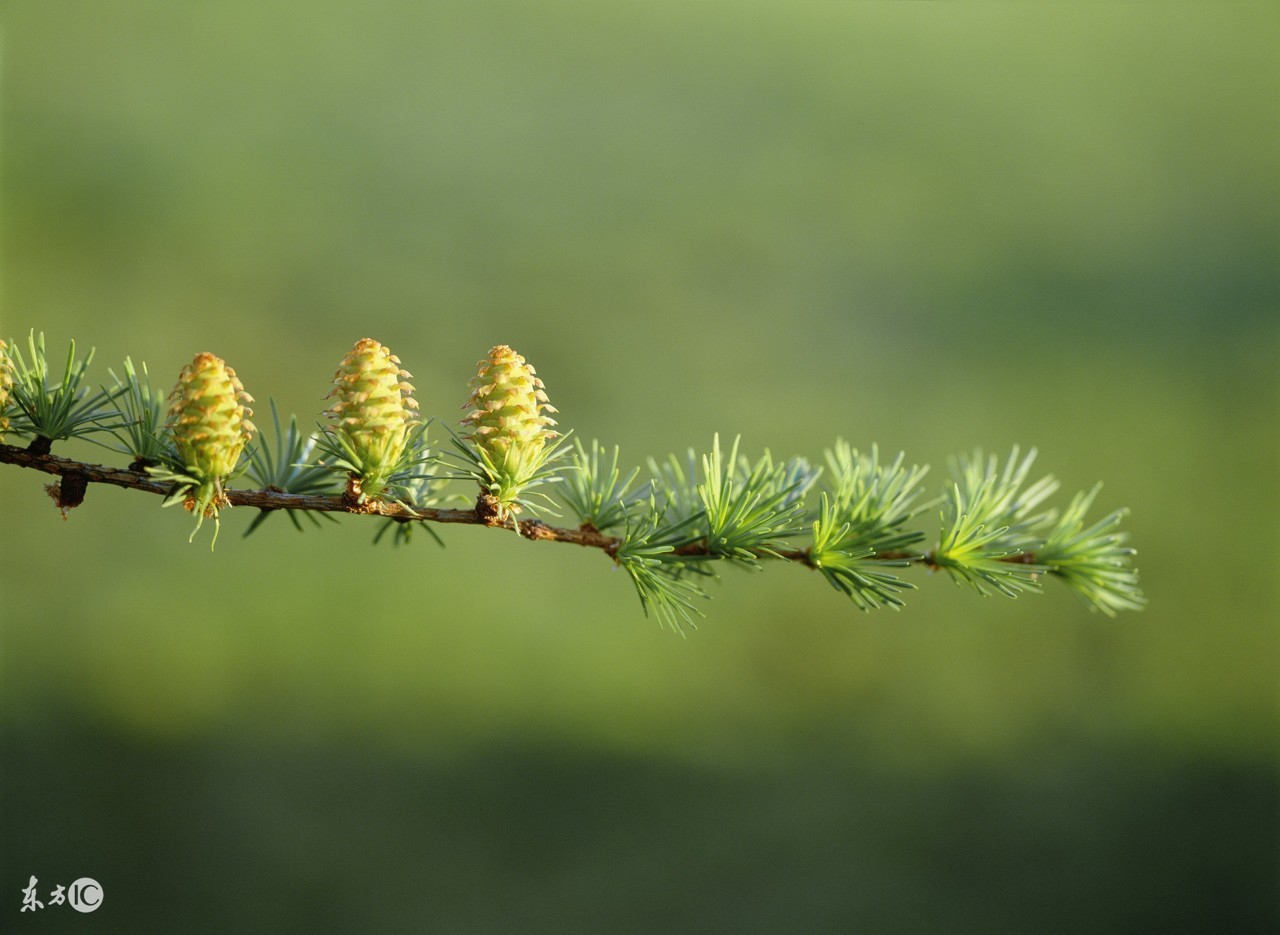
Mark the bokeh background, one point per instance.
(931, 227)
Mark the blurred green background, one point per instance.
(931, 227)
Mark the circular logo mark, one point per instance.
(85, 895)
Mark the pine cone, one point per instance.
(374, 413)
(209, 423)
(509, 401)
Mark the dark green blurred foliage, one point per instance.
(931, 227)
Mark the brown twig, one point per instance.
(77, 475)
(481, 515)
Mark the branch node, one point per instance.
(536, 529)
(489, 510)
(69, 492)
(353, 495)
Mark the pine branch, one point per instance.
(483, 514)
(852, 520)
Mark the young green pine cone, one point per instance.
(6, 384)
(509, 401)
(509, 429)
(374, 415)
(209, 424)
